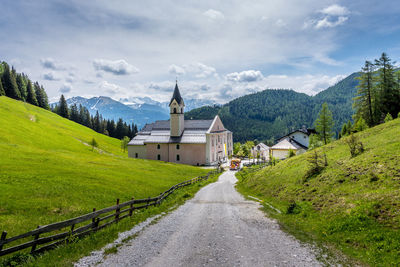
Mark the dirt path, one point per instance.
(218, 227)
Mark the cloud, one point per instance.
(112, 89)
(327, 23)
(335, 10)
(245, 76)
(116, 67)
(176, 70)
(50, 76)
(65, 88)
(50, 63)
(214, 14)
(200, 70)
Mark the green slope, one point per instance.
(48, 173)
(270, 114)
(354, 203)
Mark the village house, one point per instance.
(193, 142)
(298, 141)
(260, 151)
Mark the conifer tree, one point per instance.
(45, 99)
(1, 88)
(349, 127)
(63, 107)
(324, 124)
(96, 122)
(9, 83)
(31, 95)
(21, 86)
(119, 130)
(41, 96)
(74, 115)
(365, 103)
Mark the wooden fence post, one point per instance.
(2, 238)
(117, 211)
(131, 208)
(36, 238)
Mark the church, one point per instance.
(193, 142)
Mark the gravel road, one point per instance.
(218, 227)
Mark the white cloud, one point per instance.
(245, 76)
(214, 14)
(111, 89)
(116, 67)
(176, 70)
(327, 23)
(50, 76)
(200, 70)
(335, 10)
(50, 63)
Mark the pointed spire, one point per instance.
(176, 95)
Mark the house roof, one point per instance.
(262, 147)
(188, 125)
(288, 143)
(177, 95)
(304, 130)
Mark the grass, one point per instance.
(48, 173)
(353, 205)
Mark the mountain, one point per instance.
(272, 113)
(352, 205)
(112, 109)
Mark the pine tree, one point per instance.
(365, 103)
(119, 130)
(31, 95)
(343, 132)
(96, 122)
(389, 95)
(74, 115)
(63, 107)
(21, 86)
(45, 99)
(324, 124)
(9, 83)
(349, 127)
(1, 88)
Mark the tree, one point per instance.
(360, 125)
(41, 96)
(343, 132)
(74, 115)
(119, 131)
(31, 95)
(388, 118)
(124, 143)
(324, 124)
(63, 107)
(1, 88)
(349, 127)
(388, 90)
(93, 143)
(21, 86)
(9, 83)
(365, 103)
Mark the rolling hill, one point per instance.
(49, 173)
(353, 203)
(269, 114)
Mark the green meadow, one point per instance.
(352, 207)
(49, 173)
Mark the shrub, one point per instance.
(317, 163)
(293, 208)
(291, 153)
(388, 117)
(360, 125)
(93, 143)
(355, 145)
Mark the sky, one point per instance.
(217, 50)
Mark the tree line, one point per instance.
(20, 87)
(81, 115)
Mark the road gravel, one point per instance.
(218, 227)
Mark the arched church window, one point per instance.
(174, 110)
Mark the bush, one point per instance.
(93, 143)
(317, 163)
(360, 125)
(293, 208)
(355, 145)
(388, 117)
(291, 153)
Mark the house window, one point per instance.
(177, 158)
(305, 137)
(136, 155)
(219, 139)
(158, 146)
(177, 147)
(158, 157)
(174, 110)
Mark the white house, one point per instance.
(298, 141)
(260, 151)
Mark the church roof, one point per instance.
(189, 125)
(176, 95)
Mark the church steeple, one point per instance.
(176, 108)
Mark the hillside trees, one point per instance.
(31, 95)
(9, 83)
(1, 88)
(324, 124)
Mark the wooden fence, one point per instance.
(78, 226)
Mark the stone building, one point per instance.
(193, 142)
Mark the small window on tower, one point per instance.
(158, 157)
(177, 147)
(177, 157)
(158, 146)
(136, 155)
(174, 110)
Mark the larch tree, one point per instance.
(365, 102)
(324, 124)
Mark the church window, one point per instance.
(158, 146)
(174, 110)
(158, 157)
(177, 147)
(136, 155)
(177, 158)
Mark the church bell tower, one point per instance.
(176, 110)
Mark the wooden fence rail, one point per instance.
(97, 218)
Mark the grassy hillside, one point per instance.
(48, 172)
(353, 204)
(270, 114)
